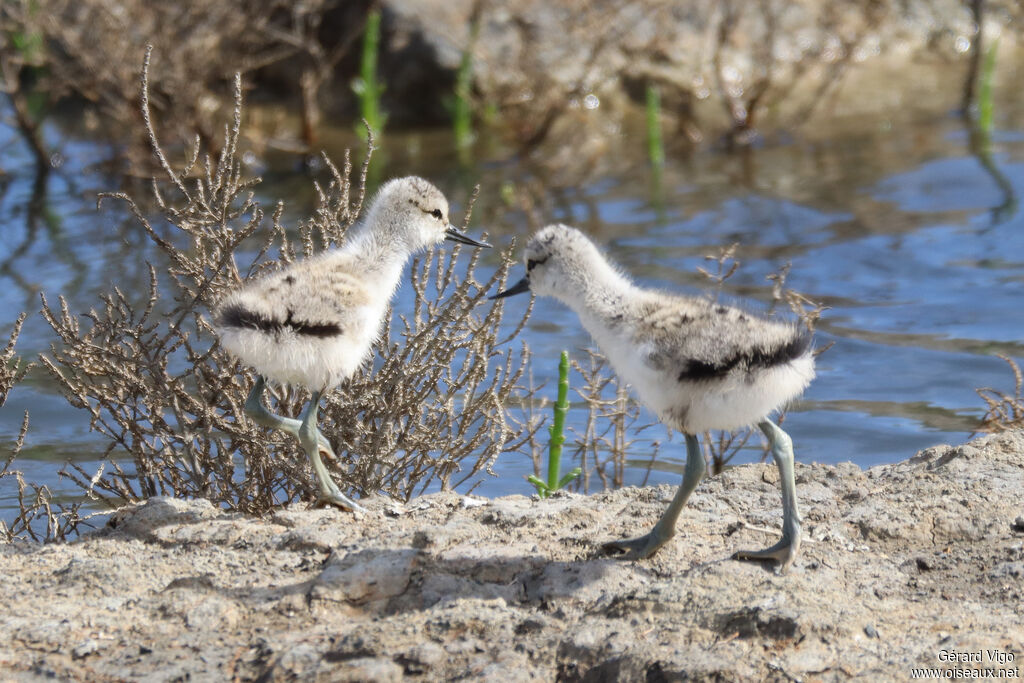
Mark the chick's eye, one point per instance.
(530, 263)
(436, 213)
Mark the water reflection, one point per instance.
(41, 220)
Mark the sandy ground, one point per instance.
(917, 564)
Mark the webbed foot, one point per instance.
(338, 500)
(639, 548)
(783, 552)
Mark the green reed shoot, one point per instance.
(462, 112)
(981, 138)
(557, 437)
(462, 118)
(988, 68)
(29, 44)
(367, 86)
(655, 148)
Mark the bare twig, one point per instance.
(1004, 411)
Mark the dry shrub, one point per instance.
(1004, 411)
(438, 401)
(12, 370)
(160, 389)
(608, 435)
(75, 50)
(39, 518)
(611, 430)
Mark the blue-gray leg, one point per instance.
(308, 435)
(648, 544)
(785, 551)
(261, 416)
(310, 438)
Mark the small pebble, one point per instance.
(85, 648)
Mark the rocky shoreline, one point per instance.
(782, 66)
(913, 565)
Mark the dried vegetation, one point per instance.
(427, 412)
(53, 53)
(1003, 411)
(39, 517)
(608, 434)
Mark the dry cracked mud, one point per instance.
(905, 566)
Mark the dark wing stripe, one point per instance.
(322, 330)
(696, 370)
(790, 351)
(237, 316)
(749, 359)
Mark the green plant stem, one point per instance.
(557, 430)
(367, 86)
(556, 433)
(655, 149)
(462, 115)
(985, 94)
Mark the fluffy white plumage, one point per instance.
(313, 324)
(696, 364)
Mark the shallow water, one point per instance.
(914, 242)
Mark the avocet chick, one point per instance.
(313, 323)
(696, 364)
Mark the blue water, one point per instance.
(913, 243)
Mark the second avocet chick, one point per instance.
(696, 364)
